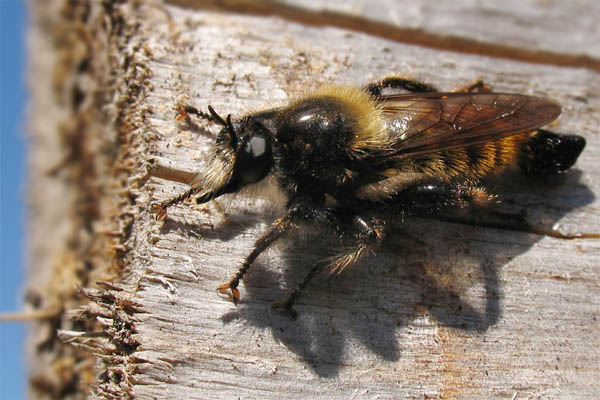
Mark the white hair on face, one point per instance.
(217, 173)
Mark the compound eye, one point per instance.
(256, 147)
(254, 159)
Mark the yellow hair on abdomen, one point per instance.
(471, 162)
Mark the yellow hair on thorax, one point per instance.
(370, 132)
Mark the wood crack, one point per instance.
(411, 36)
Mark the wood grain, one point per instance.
(442, 311)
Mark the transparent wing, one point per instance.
(422, 123)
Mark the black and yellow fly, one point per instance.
(350, 158)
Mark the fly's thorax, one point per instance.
(316, 129)
(321, 138)
(313, 138)
(369, 132)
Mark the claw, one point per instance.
(184, 111)
(181, 112)
(286, 305)
(161, 212)
(230, 290)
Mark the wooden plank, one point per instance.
(533, 32)
(530, 24)
(447, 311)
(443, 310)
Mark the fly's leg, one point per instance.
(441, 200)
(444, 201)
(427, 198)
(301, 210)
(185, 110)
(287, 304)
(161, 208)
(398, 83)
(477, 86)
(277, 229)
(367, 234)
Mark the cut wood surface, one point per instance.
(531, 24)
(441, 311)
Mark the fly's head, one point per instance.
(243, 155)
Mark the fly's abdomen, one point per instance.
(541, 152)
(550, 153)
(472, 162)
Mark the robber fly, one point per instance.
(351, 158)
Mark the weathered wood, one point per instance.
(530, 24)
(532, 32)
(443, 310)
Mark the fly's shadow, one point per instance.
(426, 268)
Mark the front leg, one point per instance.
(276, 230)
(301, 210)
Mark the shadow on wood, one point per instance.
(448, 272)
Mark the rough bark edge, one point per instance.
(112, 307)
(98, 80)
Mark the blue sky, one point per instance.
(12, 191)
